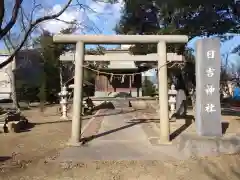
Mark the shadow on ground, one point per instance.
(189, 119)
(188, 122)
(225, 126)
(4, 158)
(105, 105)
(132, 123)
(115, 113)
(109, 105)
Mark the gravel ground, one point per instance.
(217, 168)
(30, 155)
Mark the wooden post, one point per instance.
(130, 84)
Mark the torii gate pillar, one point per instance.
(77, 98)
(163, 93)
(80, 41)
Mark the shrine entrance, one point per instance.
(160, 56)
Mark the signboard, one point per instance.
(208, 107)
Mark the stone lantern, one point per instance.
(172, 93)
(63, 95)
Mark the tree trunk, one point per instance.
(61, 75)
(42, 93)
(42, 98)
(13, 85)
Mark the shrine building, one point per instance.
(120, 78)
(127, 78)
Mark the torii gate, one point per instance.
(81, 40)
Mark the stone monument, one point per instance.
(208, 107)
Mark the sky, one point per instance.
(101, 18)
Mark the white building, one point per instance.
(28, 68)
(5, 79)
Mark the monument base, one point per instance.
(211, 129)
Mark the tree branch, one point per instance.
(67, 22)
(29, 30)
(2, 12)
(13, 19)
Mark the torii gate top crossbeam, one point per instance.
(119, 39)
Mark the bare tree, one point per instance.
(27, 22)
(19, 19)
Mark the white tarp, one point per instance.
(150, 72)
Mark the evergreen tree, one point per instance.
(148, 87)
(179, 17)
(50, 75)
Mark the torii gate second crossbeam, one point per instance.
(81, 40)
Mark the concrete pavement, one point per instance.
(121, 136)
